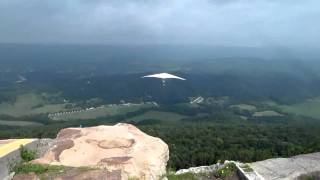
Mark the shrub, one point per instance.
(27, 155)
(226, 171)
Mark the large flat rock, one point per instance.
(288, 168)
(120, 148)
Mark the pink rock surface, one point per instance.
(120, 147)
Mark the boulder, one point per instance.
(120, 148)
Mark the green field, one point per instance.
(158, 115)
(245, 107)
(29, 104)
(101, 112)
(309, 108)
(19, 123)
(266, 114)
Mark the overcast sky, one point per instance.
(213, 22)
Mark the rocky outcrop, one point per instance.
(306, 166)
(242, 171)
(201, 169)
(289, 168)
(122, 149)
(301, 167)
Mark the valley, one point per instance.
(221, 112)
(203, 132)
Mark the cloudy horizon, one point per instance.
(208, 22)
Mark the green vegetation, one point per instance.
(102, 112)
(202, 140)
(247, 168)
(206, 141)
(25, 168)
(27, 155)
(196, 134)
(227, 171)
(309, 108)
(157, 115)
(30, 104)
(185, 176)
(19, 123)
(266, 114)
(244, 107)
(310, 176)
(49, 171)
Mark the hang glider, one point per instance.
(163, 77)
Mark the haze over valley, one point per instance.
(246, 86)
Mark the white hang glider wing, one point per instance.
(163, 77)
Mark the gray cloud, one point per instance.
(214, 22)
